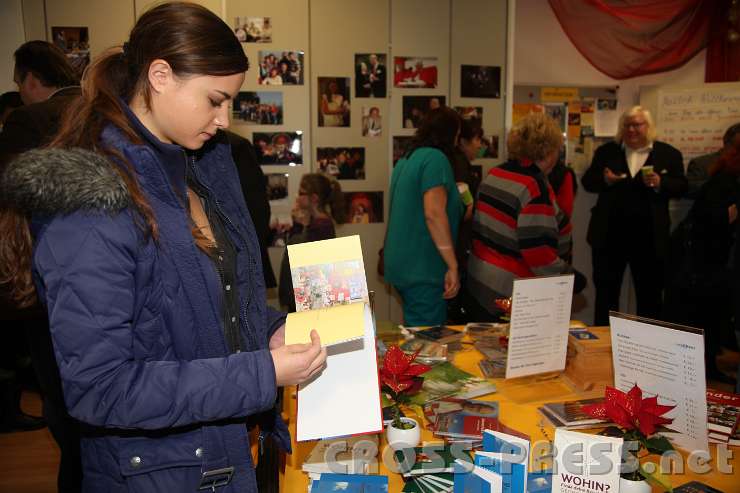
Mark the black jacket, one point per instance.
(617, 201)
(254, 187)
(33, 126)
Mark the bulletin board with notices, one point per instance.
(693, 118)
(588, 117)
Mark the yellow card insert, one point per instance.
(335, 324)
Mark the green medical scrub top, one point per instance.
(410, 253)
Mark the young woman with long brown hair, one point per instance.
(132, 230)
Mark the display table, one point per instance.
(518, 402)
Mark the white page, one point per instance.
(606, 118)
(583, 459)
(540, 316)
(345, 398)
(667, 361)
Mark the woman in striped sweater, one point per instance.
(518, 229)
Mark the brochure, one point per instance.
(344, 399)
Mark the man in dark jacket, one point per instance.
(635, 176)
(47, 85)
(698, 170)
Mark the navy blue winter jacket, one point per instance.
(136, 322)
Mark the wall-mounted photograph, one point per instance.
(480, 81)
(416, 72)
(258, 108)
(277, 186)
(343, 163)
(474, 114)
(370, 75)
(75, 43)
(559, 113)
(253, 29)
(280, 68)
(372, 122)
(334, 108)
(416, 107)
(364, 207)
(279, 147)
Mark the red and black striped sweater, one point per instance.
(518, 231)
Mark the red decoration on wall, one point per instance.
(628, 38)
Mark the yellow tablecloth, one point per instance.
(518, 402)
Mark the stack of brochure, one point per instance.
(570, 415)
(723, 415)
(462, 420)
(427, 469)
(447, 380)
(350, 455)
(327, 483)
(502, 466)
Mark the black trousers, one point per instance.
(64, 429)
(633, 247)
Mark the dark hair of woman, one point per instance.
(329, 192)
(46, 62)
(193, 41)
(438, 129)
(729, 159)
(470, 130)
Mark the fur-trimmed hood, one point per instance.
(61, 181)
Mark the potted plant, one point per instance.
(639, 419)
(400, 379)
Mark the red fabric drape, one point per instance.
(723, 56)
(627, 38)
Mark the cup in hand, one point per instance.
(465, 194)
(647, 170)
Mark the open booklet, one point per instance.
(331, 297)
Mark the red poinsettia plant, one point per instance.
(400, 378)
(638, 418)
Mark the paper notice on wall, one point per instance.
(668, 361)
(559, 94)
(540, 316)
(520, 110)
(694, 120)
(606, 118)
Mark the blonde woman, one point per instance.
(518, 229)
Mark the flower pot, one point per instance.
(630, 486)
(398, 439)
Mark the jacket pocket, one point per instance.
(144, 455)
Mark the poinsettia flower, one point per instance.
(630, 411)
(399, 371)
(504, 304)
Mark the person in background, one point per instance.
(468, 149)
(518, 229)
(635, 175)
(564, 183)
(377, 77)
(700, 287)
(254, 188)
(48, 86)
(149, 267)
(8, 102)
(425, 212)
(697, 172)
(318, 207)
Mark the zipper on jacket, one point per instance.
(251, 340)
